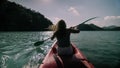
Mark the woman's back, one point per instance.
(63, 38)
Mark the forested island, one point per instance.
(15, 17)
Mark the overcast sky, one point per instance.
(76, 11)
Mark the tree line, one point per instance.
(15, 17)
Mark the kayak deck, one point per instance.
(77, 60)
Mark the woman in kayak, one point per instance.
(63, 38)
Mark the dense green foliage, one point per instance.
(14, 17)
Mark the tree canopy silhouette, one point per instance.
(15, 17)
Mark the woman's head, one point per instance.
(61, 25)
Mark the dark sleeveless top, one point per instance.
(63, 38)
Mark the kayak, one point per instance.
(53, 60)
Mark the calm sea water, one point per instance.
(17, 50)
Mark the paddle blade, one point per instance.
(88, 20)
(38, 43)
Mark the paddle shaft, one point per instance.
(47, 39)
(86, 21)
(40, 42)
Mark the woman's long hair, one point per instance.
(61, 25)
(61, 28)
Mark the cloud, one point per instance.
(111, 17)
(108, 21)
(74, 11)
(112, 20)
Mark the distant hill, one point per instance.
(89, 27)
(112, 28)
(14, 17)
(93, 27)
(116, 29)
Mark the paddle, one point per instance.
(41, 42)
(86, 21)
